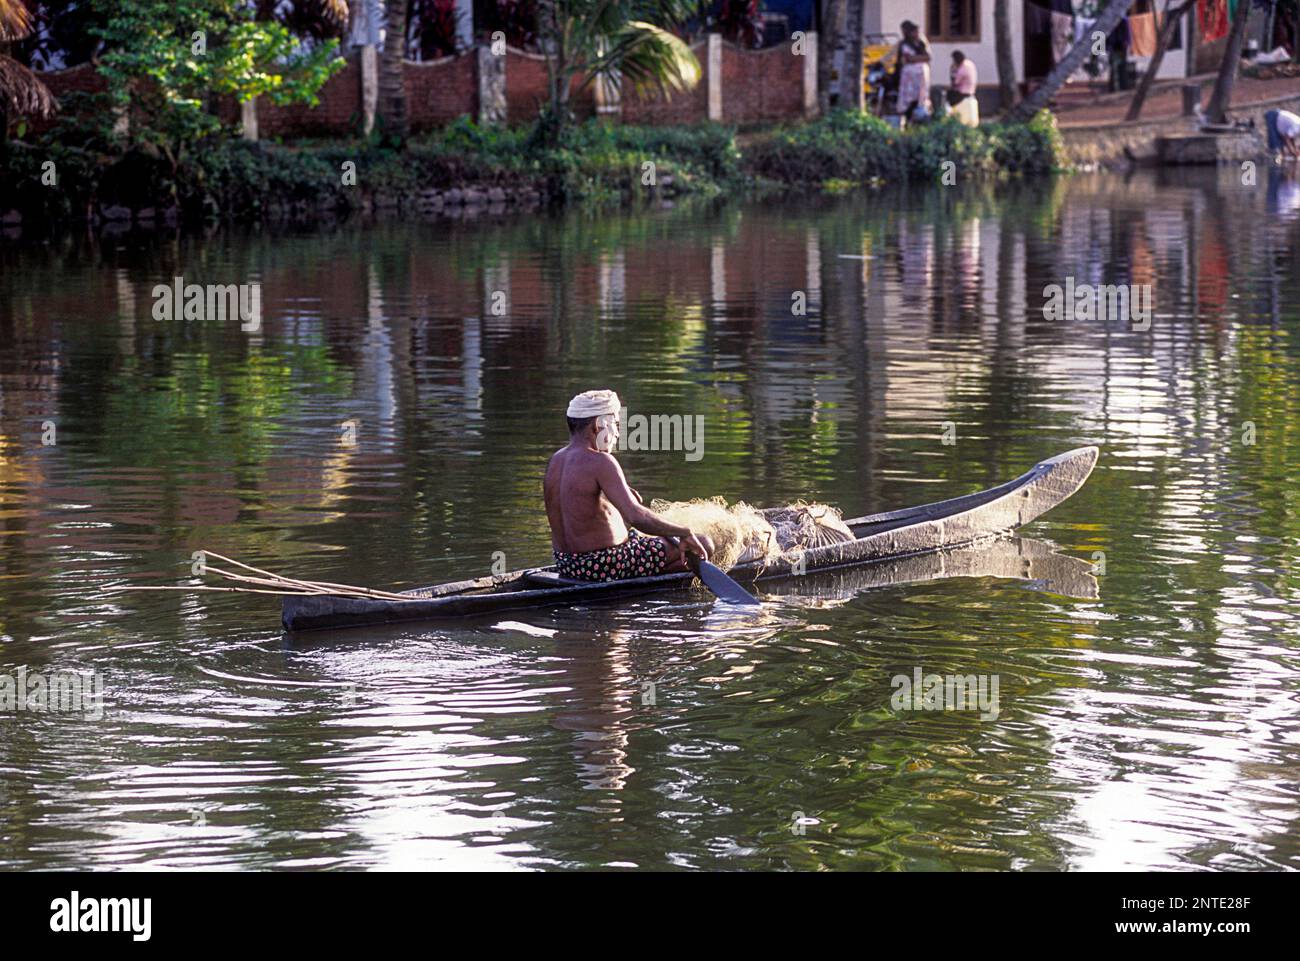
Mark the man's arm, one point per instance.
(613, 485)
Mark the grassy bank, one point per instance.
(855, 148)
(593, 163)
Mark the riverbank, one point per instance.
(1095, 131)
(466, 167)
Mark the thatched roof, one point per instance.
(15, 20)
(21, 93)
(336, 10)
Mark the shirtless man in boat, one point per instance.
(591, 507)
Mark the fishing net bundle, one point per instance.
(741, 533)
(804, 526)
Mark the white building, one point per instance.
(967, 25)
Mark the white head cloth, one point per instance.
(593, 403)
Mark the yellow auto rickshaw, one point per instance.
(879, 54)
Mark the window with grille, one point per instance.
(949, 20)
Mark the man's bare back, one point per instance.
(582, 518)
(591, 507)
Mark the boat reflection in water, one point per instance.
(605, 677)
(1013, 558)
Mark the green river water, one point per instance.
(1148, 672)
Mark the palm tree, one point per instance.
(828, 12)
(1217, 111)
(618, 40)
(1292, 9)
(392, 87)
(21, 93)
(1107, 21)
(1002, 50)
(851, 85)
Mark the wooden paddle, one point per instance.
(716, 579)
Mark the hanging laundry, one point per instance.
(1212, 16)
(1119, 38)
(1062, 35)
(1038, 20)
(367, 23)
(1142, 35)
(1038, 60)
(1175, 38)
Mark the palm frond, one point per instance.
(650, 58)
(15, 20)
(21, 92)
(336, 11)
(317, 19)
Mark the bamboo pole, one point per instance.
(268, 582)
(325, 587)
(202, 587)
(247, 567)
(290, 587)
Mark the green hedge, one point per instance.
(591, 163)
(857, 148)
(229, 177)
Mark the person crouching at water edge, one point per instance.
(964, 80)
(1283, 134)
(591, 507)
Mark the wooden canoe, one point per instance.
(959, 522)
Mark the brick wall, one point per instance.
(436, 93)
(441, 90)
(757, 86)
(691, 106)
(526, 89)
(338, 112)
(81, 79)
(761, 85)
